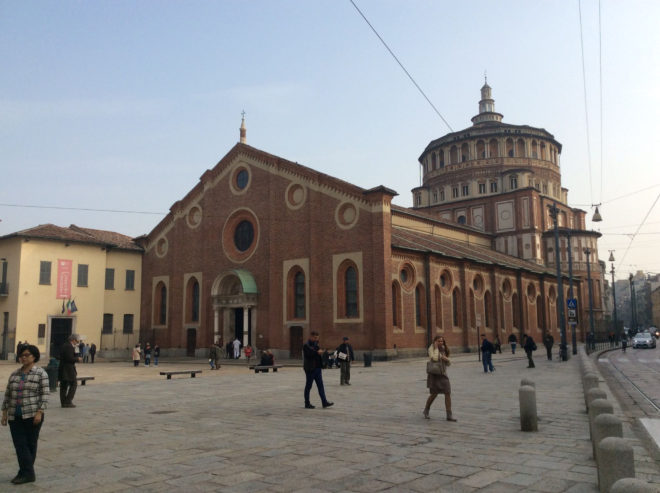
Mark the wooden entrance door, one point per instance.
(296, 342)
(191, 342)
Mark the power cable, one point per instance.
(586, 109)
(82, 209)
(600, 76)
(401, 65)
(640, 227)
(621, 196)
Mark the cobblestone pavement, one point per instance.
(236, 431)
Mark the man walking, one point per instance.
(529, 347)
(312, 364)
(345, 356)
(548, 341)
(67, 373)
(487, 350)
(237, 348)
(513, 340)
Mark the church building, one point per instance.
(265, 250)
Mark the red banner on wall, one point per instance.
(64, 272)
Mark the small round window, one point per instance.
(404, 276)
(244, 235)
(242, 178)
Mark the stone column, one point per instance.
(216, 323)
(246, 326)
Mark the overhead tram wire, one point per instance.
(639, 227)
(84, 209)
(600, 77)
(622, 196)
(586, 109)
(401, 65)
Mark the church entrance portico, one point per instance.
(234, 295)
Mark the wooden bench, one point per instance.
(83, 380)
(264, 369)
(180, 372)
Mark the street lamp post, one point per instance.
(616, 325)
(570, 291)
(560, 287)
(587, 251)
(633, 315)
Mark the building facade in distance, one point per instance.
(57, 281)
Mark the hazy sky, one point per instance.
(123, 105)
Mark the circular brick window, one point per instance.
(506, 288)
(240, 235)
(240, 180)
(478, 284)
(194, 217)
(243, 235)
(295, 196)
(407, 275)
(531, 293)
(446, 281)
(346, 215)
(161, 247)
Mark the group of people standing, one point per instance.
(148, 353)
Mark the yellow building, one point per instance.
(57, 281)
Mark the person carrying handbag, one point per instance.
(436, 380)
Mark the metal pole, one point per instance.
(560, 296)
(570, 292)
(616, 324)
(587, 251)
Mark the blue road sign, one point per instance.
(571, 303)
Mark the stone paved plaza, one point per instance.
(235, 431)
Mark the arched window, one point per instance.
(351, 293)
(509, 147)
(493, 148)
(473, 310)
(488, 308)
(192, 300)
(453, 155)
(456, 307)
(348, 290)
(520, 148)
(420, 306)
(160, 304)
(438, 307)
(535, 149)
(515, 306)
(465, 153)
(433, 161)
(396, 304)
(481, 149)
(296, 302)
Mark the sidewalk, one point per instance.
(236, 431)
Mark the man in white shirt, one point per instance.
(237, 348)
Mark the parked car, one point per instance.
(643, 339)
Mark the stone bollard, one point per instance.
(605, 425)
(592, 395)
(528, 417)
(598, 407)
(527, 381)
(632, 485)
(615, 461)
(589, 381)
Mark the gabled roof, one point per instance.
(414, 240)
(76, 234)
(275, 162)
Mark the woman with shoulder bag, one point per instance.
(436, 380)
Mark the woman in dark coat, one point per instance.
(439, 384)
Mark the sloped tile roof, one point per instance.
(414, 240)
(76, 234)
